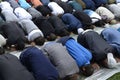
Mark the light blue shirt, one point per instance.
(24, 4)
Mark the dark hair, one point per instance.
(20, 45)
(39, 41)
(63, 32)
(51, 37)
(87, 70)
(88, 27)
(2, 50)
(26, 40)
(99, 23)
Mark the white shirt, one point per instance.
(56, 9)
(22, 13)
(6, 6)
(104, 11)
(2, 40)
(16, 53)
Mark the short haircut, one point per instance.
(51, 37)
(99, 23)
(39, 41)
(87, 70)
(63, 32)
(19, 44)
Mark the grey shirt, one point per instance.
(34, 12)
(59, 56)
(14, 4)
(31, 29)
(28, 25)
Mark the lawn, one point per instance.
(115, 77)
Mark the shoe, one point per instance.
(111, 60)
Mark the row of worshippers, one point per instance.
(72, 19)
(63, 59)
(53, 60)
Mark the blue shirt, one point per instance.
(89, 4)
(81, 55)
(37, 63)
(112, 36)
(71, 21)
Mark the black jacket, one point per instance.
(12, 69)
(83, 17)
(57, 23)
(96, 44)
(66, 7)
(13, 32)
(44, 25)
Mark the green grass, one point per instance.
(115, 77)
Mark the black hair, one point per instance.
(63, 32)
(88, 26)
(99, 23)
(87, 70)
(39, 40)
(51, 37)
(20, 44)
